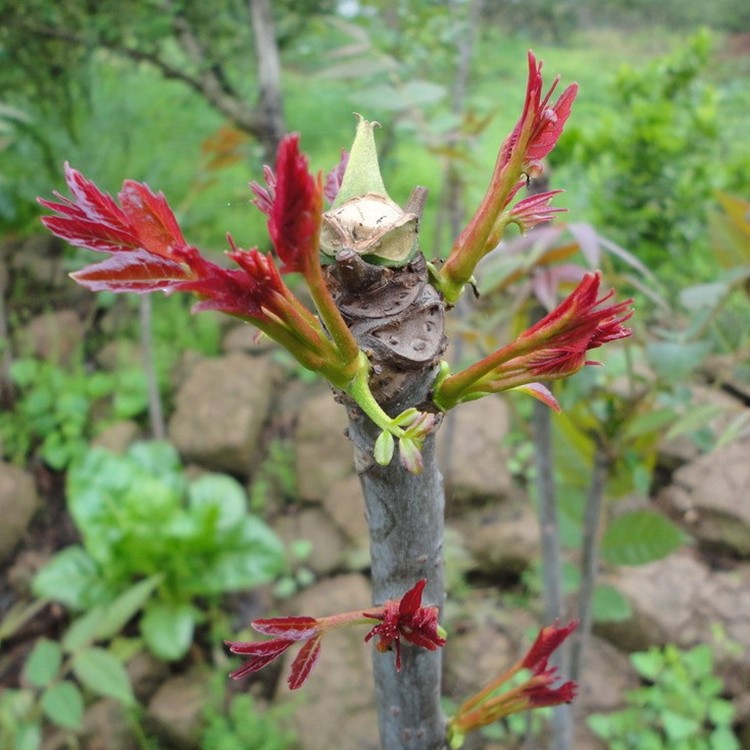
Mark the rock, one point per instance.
(18, 503)
(474, 658)
(472, 458)
(345, 505)
(52, 336)
(176, 710)
(327, 543)
(119, 353)
(606, 676)
(108, 726)
(117, 437)
(503, 541)
(338, 710)
(146, 673)
(220, 410)
(711, 495)
(679, 600)
(324, 453)
(38, 260)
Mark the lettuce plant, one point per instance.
(141, 519)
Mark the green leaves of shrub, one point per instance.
(55, 404)
(43, 663)
(61, 701)
(640, 537)
(102, 673)
(153, 542)
(682, 707)
(63, 705)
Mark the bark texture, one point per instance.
(405, 516)
(398, 318)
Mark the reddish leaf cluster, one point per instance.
(533, 137)
(149, 253)
(399, 617)
(553, 348)
(534, 210)
(141, 233)
(406, 618)
(537, 691)
(560, 340)
(540, 125)
(539, 688)
(293, 202)
(288, 631)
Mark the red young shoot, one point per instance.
(553, 348)
(405, 617)
(533, 137)
(537, 691)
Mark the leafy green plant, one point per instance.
(55, 408)
(276, 477)
(245, 725)
(56, 674)
(141, 518)
(681, 708)
(175, 332)
(297, 576)
(651, 158)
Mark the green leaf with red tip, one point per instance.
(540, 393)
(410, 455)
(406, 417)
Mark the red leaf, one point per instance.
(550, 124)
(430, 641)
(293, 628)
(548, 640)
(294, 202)
(151, 217)
(252, 665)
(92, 220)
(88, 233)
(260, 648)
(134, 271)
(261, 653)
(304, 662)
(411, 601)
(91, 201)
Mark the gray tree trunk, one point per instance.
(405, 516)
(398, 318)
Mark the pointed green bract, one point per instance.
(362, 173)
